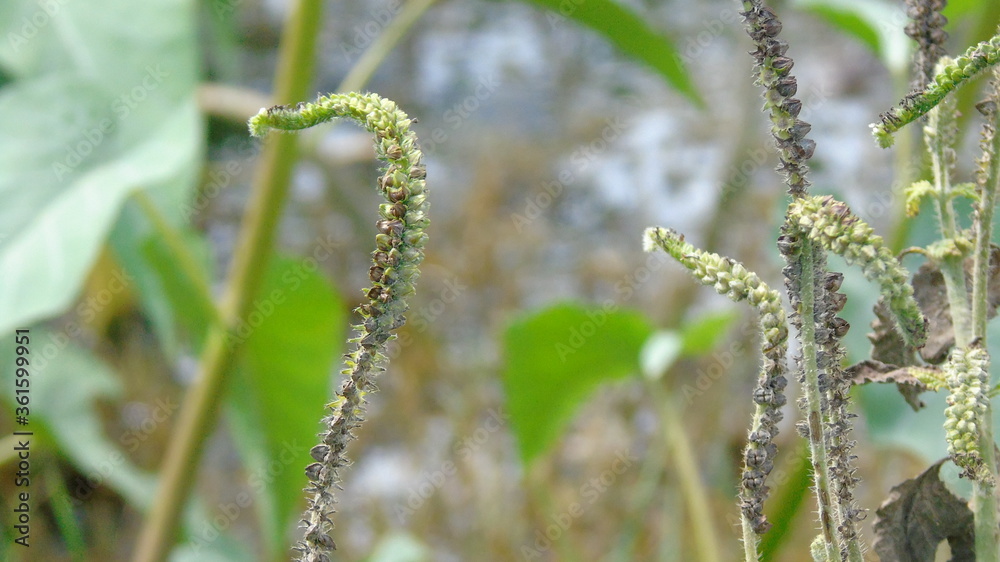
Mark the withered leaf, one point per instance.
(888, 345)
(876, 371)
(931, 295)
(919, 514)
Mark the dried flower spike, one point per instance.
(927, 29)
(732, 279)
(772, 69)
(400, 244)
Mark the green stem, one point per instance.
(62, 512)
(814, 402)
(939, 137)
(362, 71)
(198, 414)
(984, 495)
(705, 538)
(186, 262)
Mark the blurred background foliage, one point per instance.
(555, 395)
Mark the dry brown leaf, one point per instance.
(876, 371)
(929, 290)
(918, 515)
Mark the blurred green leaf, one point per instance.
(167, 296)
(556, 357)
(878, 24)
(957, 8)
(223, 549)
(101, 103)
(185, 309)
(67, 382)
(294, 334)
(705, 332)
(630, 33)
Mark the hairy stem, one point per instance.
(940, 136)
(984, 496)
(814, 397)
(198, 414)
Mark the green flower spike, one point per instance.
(967, 373)
(831, 223)
(732, 279)
(948, 78)
(399, 251)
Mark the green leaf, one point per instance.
(877, 24)
(102, 103)
(291, 340)
(557, 357)
(66, 384)
(168, 297)
(630, 33)
(704, 334)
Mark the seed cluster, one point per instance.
(831, 224)
(773, 74)
(947, 79)
(732, 279)
(967, 373)
(927, 29)
(399, 251)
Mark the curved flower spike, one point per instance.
(967, 373)
(831, 223)
(732, 279)
(948, 78)
(399, 251)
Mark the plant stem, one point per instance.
(705, 538)
(984, 496)
(939, 137)
(185, 261)
(198, 414)
(814, 400)
(362, 71)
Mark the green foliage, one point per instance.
(865, 20)
(628, 32)
(556, 358)
(83, 137)
(704, 334)
(286, 382)
(67, 385)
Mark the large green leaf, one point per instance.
(556, 357)
(101, 103)
(277, 403)
(66, 383)
(630, 33)
(878, 24)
